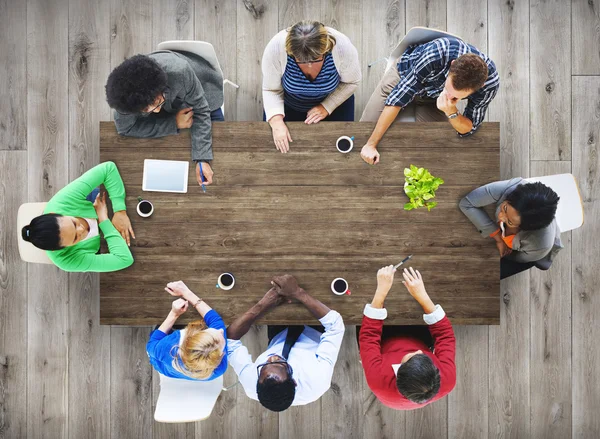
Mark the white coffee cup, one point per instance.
(226, 281)
(142, 205)
(349, 139)
(337, 282)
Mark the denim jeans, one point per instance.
(217, 115)
(92, 196)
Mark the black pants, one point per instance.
(420, 332)
(273, 330)
(509, 268)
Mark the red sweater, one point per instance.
(377, 359)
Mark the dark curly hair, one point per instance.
(469, 72)
(276, 395)
(536, 204)
(135, 84)
(418, 379)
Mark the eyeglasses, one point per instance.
(290, 371)
(158, 106)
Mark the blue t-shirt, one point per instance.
(160, 348)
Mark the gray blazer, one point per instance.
(191, 82)
(528, 246)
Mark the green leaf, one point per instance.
(409, 206)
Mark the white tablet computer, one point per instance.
(165, 176)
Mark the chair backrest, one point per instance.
(201, 48)
(185, 400)
(569, 212)
(416, 35)
(27, 251)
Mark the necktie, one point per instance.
(292, 336)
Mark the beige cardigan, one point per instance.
(345, 58)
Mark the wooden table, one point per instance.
(315, 213)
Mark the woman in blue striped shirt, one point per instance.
(196, 352)
(310, 73)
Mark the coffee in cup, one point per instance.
(339, 286)
(344, 144)
(144, 208)
(226, 281)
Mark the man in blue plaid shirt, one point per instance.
(447, 69)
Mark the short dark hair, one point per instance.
(276, 395)
(469, 72)
(135, 84)
(43, 232)
(418, 379)
(536, 204)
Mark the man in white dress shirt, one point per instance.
(297, 367)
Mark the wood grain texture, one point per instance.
(585, 41)
(223, 420)
(13, 75)
(213, 23)
(341, 405)
(172, 20)
(586, 254)
(130, 383)
(509, 49)
(130, 29)
(47, 132)
(550, 80)
(257, 23)
(551, 334)
(89, 343)
(13, 299)
(247, 247)
(428, 13)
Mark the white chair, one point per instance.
(202, 49)
(187, 401)
(416, 35)
(27, 251)
(569, 212)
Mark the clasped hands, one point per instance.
(284, 288)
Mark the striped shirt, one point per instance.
(302, 94)
(423, 71)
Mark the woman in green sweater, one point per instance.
(69, 228)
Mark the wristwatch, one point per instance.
(453, 115)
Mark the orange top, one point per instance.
(508, 240)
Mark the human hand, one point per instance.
(286, 285)
(123, 225)
(179, 306)
(206, 171)
(179, 289)
(271, 299)
(316, 114)
(445, 104)
(100, 207)
(503, 248)
(414, 284)
(369, 154)
(385, 279)
(184, 118)
(281, 134)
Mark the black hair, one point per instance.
(135, 84)
(43, 232)
(536, 204)
(418, 379)
(276, 395)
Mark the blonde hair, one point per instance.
(199, 354)
(308, 41)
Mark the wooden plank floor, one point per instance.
(64, 376)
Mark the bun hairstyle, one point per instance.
(43, 232)
(308, 41)
(199, 354)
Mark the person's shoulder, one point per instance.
(172, 63)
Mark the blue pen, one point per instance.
(202, 178)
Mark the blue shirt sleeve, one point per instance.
(214, 320)
(155, 336)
